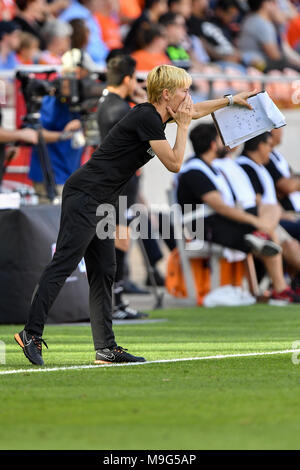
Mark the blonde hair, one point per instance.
(166, 77)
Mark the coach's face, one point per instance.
(177, 98)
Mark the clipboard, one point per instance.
(236, 124)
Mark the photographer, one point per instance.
(59, 123)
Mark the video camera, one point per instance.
(81, 95)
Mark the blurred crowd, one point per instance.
(254, 36)
(224, 37)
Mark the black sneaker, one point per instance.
(32, 346)
(115, 355)
(123, 312)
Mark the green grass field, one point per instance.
(232, 403)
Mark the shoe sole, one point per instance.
(268, 250)
(98, 361)
(18, 340)
(102, 362)
(135, 317)
(278, 302)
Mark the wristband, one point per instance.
(66, 135)
(230, 99)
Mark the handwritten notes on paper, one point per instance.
(237, 124)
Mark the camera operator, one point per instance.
(59, 123)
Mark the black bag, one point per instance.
(27, 243)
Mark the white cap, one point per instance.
(76, 57)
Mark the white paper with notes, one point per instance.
(237, 124)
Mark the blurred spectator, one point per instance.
(57, 38)
(183, 50)
(55, 7)
(174, 24)
(293, 33)
(259, 41)
(80, 34)
(28, 50)
(130, 11)
(225, 18)
(7, 10)
(9, 43)
(154, 42)
(31, 16)
(85, 9)
(286, 10)
(183, 7)
(107, 16)
(216, 43)
(150, 15)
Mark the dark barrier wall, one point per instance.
(27, 243)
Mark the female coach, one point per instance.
(131, 143)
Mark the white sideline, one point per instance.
(221, 356)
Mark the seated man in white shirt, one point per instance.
(287, 185)
(256, 155)
(245, 180)
(230, 226)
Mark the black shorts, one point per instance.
(227, 232)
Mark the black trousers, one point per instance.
(76, 239)
(227, 232)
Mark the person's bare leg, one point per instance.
(271, 213)
(274, 267)
(291, 253)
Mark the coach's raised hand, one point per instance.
(184, 113)
(172, 157)
(241, 98)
